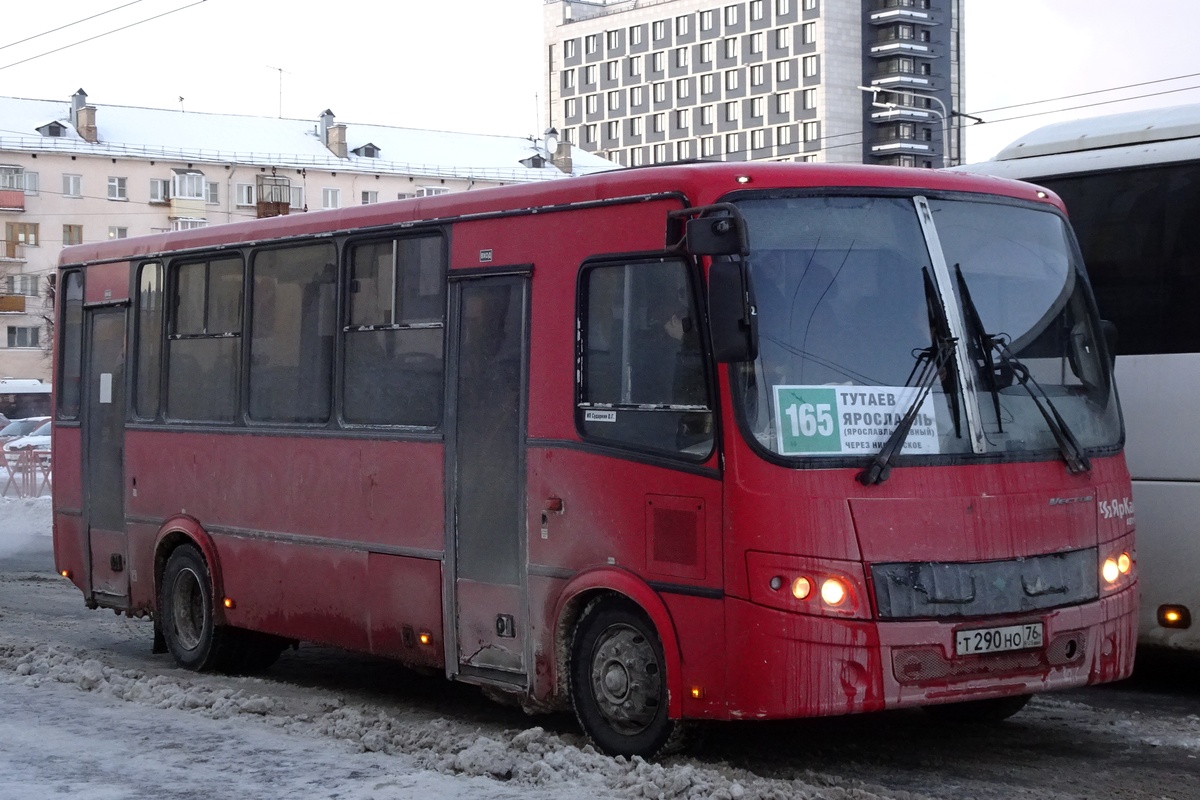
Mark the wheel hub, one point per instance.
(626, 679)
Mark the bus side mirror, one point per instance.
(732, 316)
(714, 236)
(1109, 330)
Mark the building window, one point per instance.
(731, 111)
(706, 83)
(758, 139)
(783, 38)
(731, 48)
(635, 66)
(614, 100)
(570, 107)
(783, 70)
(660, 29)
(662, 153)
(756, 9)
(590, 43)
(26, 285)
(245, 194)
(681, 88)
(783, 134)
(297, 198)
(118, 232)
(683, 118)
(569, 47)
(72, 186)
(659, 122)
(188, 223)
(25, 233)
(21, 336)
(758, 107)
(188, 185)
(681, 56)
(706, 20)
(31, 184)
(116, 189)
(706, 115)
(731, 15)
(212, 193)
(72, 234)
(758, 75)
(589, 75)
(568, 79)
(810, 5)
(812, 131)
(706, 53)
(783, 103)
(756, 43)
(659, 62)
(593, 103)
(810, 66)
(589, 134)
(159, 190)
(733, 143)
(431, 191)
(331, 198)
(613, 70)
(612, 39)
(612, 130)
(808, 33)
(636, 95)
(708, 146)
(635, 35)
(783, 6)
(683, 150)
(809, 99)
(370, 197)
(636, 157)
(681, 25)
(731, 79)
(660, 92)
(635, 126)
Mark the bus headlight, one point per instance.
(1118, 570)
(818, 586)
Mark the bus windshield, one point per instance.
(975, 319)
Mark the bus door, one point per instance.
(486, 547)
(103, 451)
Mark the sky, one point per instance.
(475, 65)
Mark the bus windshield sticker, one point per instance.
(595, 415)
(836, 420)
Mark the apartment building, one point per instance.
(651, 81)
(74, 172)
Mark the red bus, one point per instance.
(693, 442)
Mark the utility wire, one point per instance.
(64, 27)
(1085, 94)
(99, 35)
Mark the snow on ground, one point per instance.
(24, 524)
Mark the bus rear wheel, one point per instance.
(185, 607)
(618, 682)
(983, 712)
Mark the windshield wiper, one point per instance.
(933, 362)
(1072, 452)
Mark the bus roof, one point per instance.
(23, 386)
(1112, 130)
(701, 183)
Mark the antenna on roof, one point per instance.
(181, 102)
(280, 70)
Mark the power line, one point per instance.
(1085, 94)
(99, 35)
(64, 27)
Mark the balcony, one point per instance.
(900, 46)
(12, 304)
(12, 251)
(12, 200)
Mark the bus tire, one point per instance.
(185, 612)
(618, 682)
(983, 712)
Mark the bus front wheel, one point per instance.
(618, 682)
(185, 607)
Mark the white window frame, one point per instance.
(659, 122)
(613, 100)
(731, 47)
(783, 135)
(659, 62)
(681, 24)
(758, 75)
(808, 99)
(706, 83)
(569, 48)
(568, 78)
(659, 30)
(188, 185)
(706, 115)
(593, 103)
(23, 336)
(733, 143)
(731, 15)
(613, 70)
(160, 190)
(681, 88)
(635, 126)
(731, 80)
(331, 197)
(683, 118)
(706, 20)
(368, 197)
(660, 92)
(635, 35)
(431, 191)
(731, 110)
(246, 195)
(637, 95)
(681, 56)
(72, 185)
(296, 199)
(589, 74)
(570, 106)
(757, 107)
(188, 223)
(118, 188)
(591, 42)
(706, 53)
(812, 66)
(783, 103)
(812, 131)
(758, 139)
(118, 232)
(635, 66)
(708, 146)
(808, 33)
(756, 43)
(212, 193)
(783, 38)
(783, 70)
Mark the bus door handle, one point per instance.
(553, 505)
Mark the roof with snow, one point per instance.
(129, 132)
(1111, 130)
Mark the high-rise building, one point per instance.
(650, 81)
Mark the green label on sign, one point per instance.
(807, 420)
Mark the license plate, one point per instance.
(998, 640)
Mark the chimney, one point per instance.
(562, 158)
(335, 140)
(326, 120)
(83, 117)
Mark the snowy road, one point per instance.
(87, 711)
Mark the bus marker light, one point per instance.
(1174, 616)
(66, 573)
(1124, 563)
(425, 637)
(801, 588)
(1042, 195)
(776, 583)
(1110, 571)
(833, 592)
(743, 178)
(698, 692)
(229, 602)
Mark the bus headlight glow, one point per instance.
(833, 592)
(1110, 571)
(801, 588)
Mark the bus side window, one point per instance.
(643, 370)
(71, 346)
(394, 339)
(149, 339)
(203, 348)
(292, 325)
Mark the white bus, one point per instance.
(1131, 183)
(24, 398)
